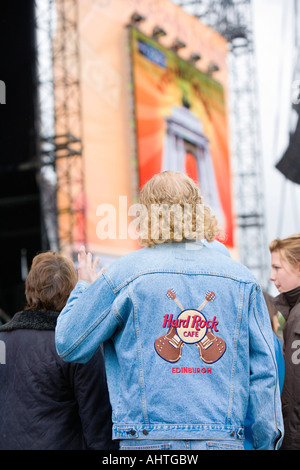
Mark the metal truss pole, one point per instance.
(46, 124)
(247, 161)
(61, 132)
(233, 20)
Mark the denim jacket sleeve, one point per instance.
(77, 333)
(265, 402)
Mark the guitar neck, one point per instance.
(202, 305)
(178, 303)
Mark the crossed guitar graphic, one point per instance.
(169, 347)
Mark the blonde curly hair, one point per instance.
(172, 210)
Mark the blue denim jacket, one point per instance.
(182, 325)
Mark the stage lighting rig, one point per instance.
(136, 19)
(212, 68)
(194, 57)
(158, 32)
(177, 44)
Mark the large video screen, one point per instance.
(181, 124)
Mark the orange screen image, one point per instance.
(181, 124)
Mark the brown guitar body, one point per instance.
(211, 348)
(169, 346)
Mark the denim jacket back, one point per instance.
(188, 344)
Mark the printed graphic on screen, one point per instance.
(181, 124)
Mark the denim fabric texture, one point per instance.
(188, 345)
(181, 445)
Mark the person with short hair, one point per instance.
(49, 282)
(187, 336)
(285, 273)
(46, 403)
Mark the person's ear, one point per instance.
(298, 270)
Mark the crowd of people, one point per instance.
(174, 346)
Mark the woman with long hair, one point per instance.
(285, 261)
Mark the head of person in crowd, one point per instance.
(285, 263)
(172, 210)
(49, 282)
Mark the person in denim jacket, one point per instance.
(187, 336)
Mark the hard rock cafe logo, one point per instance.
(190, 327)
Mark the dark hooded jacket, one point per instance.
(288, 304)
(46, 403)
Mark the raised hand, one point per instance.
(87, 269)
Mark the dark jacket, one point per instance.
(288, 304)
(46, 403)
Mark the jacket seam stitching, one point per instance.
(140, 362)
(274, 362)
(109, 281)
(235, 348)
(176, 271)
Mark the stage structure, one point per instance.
(101, 76)
(233, 20)
(131, 100)
(181, 123)
(60, 128)
(187, 150)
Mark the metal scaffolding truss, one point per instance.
(60, 133)
(61, 150)
(233, 20)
